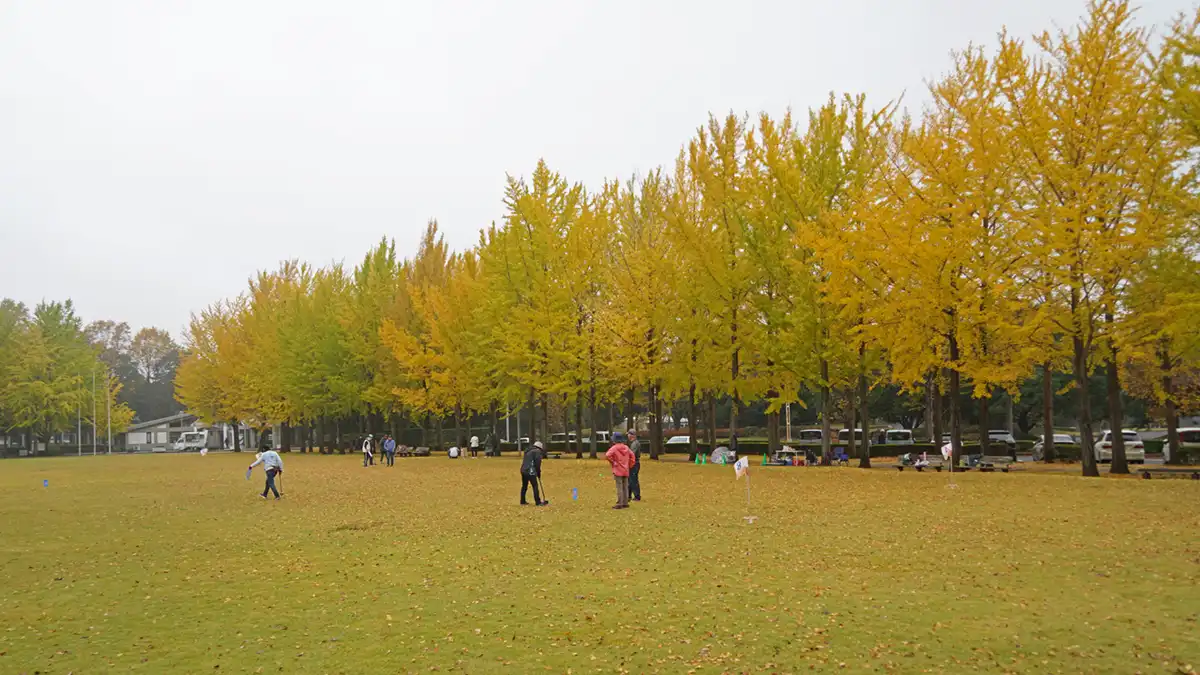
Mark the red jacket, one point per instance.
(621, 458)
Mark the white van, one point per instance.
(844, 435)
(197, 440)
(808, 437)
(896, 437)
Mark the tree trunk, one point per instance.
(658, 451)
(712, 422)
(851, 422)
(533, 436)
(826, 416)
(630, 422)
(864, 412)
(937, 399)
(652, 406)
(1168, 387)
(441, 441)
(237, 437)
(1116, 417)
(733, 418)
(929, 395)
(1086, 441)
(545, 419)
(1047, 413)
(337, 436)
(494, 419)
(594, 435)
(692, 410)
(772, 430)
(956, 448)
(578, 428)
(1008, 412)
(985, 422)
(458, 426)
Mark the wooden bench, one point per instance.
(1170, 472)
(995, 463)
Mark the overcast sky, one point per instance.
(154, 154)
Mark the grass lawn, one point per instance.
(172, 564)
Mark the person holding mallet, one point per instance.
(273, 464)
(531, 474)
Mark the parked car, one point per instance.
(679, 440)
(562, 438)
(1135, 449)
(1003, 436)
(843, 435)
(198, 440)
(1189, 444)
(602, 438)
(808, 437)
(1039, 448)
(894, 437)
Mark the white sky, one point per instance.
(155, 153)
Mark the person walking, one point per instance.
(635, 485)
(489, 446)
(389, 447)
(531, 472)
(368, 456)
(273, 464)
(474, 447)
(620, 457)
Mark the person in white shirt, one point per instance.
(273, 464)
(474, 446)
(368, 457)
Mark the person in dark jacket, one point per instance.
(635, 485)
(531, 471)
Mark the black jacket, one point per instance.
(531, 465)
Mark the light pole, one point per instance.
(93, 410)
(788, 408)
(108, 407)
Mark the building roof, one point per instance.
(177, 417)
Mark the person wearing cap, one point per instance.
(635, 485)
(531, 471)
(368, 457)
(389, 449)
(620, 457)
(273, 464)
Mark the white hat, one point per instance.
(538, 445)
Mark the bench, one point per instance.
(995, 463)
(1169, 472)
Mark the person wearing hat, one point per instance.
(273, 464)
(620, 457)
(531, 471)
(368, 456)
(635, 485)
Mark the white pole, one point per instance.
(789, 422)
(93, 411)
(79, 429)
(108, 406)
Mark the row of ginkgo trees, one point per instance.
(1038, 214)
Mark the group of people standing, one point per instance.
(625, 460)
(386, 445)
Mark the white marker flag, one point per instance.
(741, 466)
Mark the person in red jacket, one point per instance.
(621, 458)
